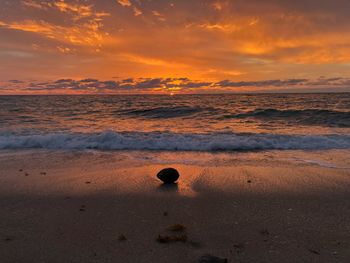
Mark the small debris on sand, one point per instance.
(238, 247)
(212, 259)
(20, 170)
(26, 174)
(7, 239)
(122, 238)
(43, 173)
(165, 214)
(264, 232)
(177, 228)
(171, 239)
(82, 208)
(314, 251)
(194, 244)
(249, 181)
(88, 182)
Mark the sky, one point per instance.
(174, 46)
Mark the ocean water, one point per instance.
(176, 123)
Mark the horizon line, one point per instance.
(178, 94)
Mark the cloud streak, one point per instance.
(171, 85)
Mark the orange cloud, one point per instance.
(80, 11)
(87, 34)
(124, 2)
(221, 27)
(158, 15)
(34, 4)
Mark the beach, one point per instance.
(91, 206)
(174, 131)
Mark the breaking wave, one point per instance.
(159, 141)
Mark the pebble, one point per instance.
(177, 228)
(212, 259)
(122, 238)
(171, 239)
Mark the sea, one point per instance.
(209, 123)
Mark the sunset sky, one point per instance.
(177, 46)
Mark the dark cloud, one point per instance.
(15, 81)
(131, 84)
(89, 80)
(63, 81)
(331, 82)
(130, 80)
(264, 83)
(135, 85)
(90, 85)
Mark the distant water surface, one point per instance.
(180, 122)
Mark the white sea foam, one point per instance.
(173, 141)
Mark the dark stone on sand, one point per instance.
(168, 175)
(171, 239)
(238, 246)
(177, 228)
(195, 244)
(314, 251)
(212, 259)
(122, 238)
(249, 181)
(265, 232)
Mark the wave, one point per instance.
(307, 116)
(165, 112)
(159, 141)
(327, 118)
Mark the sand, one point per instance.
(109, 206)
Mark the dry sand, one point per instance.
(246, 207)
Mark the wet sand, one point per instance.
(109, 207)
